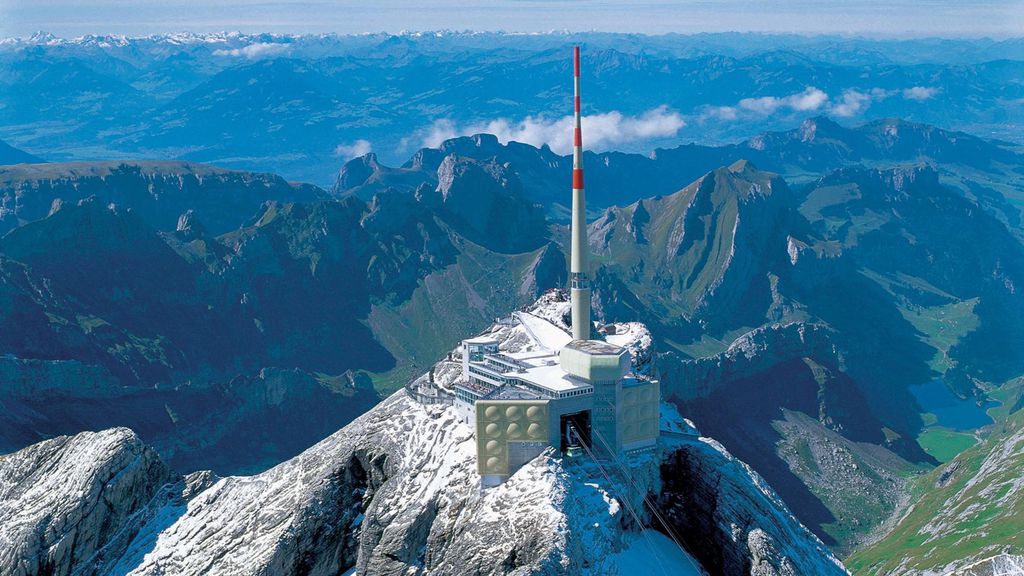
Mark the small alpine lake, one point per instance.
(950, 411)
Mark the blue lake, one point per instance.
(952, 412)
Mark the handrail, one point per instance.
(443, 397)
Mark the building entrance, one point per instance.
(575, 429)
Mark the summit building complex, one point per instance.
(575, 391)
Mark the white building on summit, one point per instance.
(574, 392)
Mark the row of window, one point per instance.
(578, 392)
(485, 377)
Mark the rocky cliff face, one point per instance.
(754, 352)
(484, 201)
(158, 191)
(723, 508)
(65, 499)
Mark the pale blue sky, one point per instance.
(865, 17)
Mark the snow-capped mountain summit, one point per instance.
(396, 492)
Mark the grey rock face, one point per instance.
(189, 227)
(1001, 565)
(734, 521)
(752, 353)
(63, 499)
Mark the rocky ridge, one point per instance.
(157, 190)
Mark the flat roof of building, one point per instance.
(596, 347)
(536, 357)
(552, 377)
(480, 340)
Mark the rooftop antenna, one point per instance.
(579, 279)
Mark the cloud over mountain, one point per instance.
(254, 51)
(600, 131)
(851, 102)
(353, 150)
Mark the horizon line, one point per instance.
(876, 37)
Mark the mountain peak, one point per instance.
(742, 165)
(356, 172)
(484, 144)
(818, 125)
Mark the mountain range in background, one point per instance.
(296, 105)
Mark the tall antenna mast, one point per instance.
(578, 275)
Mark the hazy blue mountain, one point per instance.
(11, 155)
(296, 105)
(983, 170)
(157, 191)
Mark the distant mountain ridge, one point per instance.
(819, 145)
(158, 191)
(11, 155)
(297, 105)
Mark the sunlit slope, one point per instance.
(968, 509)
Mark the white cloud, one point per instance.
(253, 51)
(851, 103)
(600, 131)
(353, 150)
(438, 132)
(919, 93)
(810, 99)
(722, 113)
(854, 102)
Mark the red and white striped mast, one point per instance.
(578, 262)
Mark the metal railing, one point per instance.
(439, 396)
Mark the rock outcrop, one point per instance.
(158, 191)
(63, 500)
(752, 353)
(731, 518)
(1003, 564)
